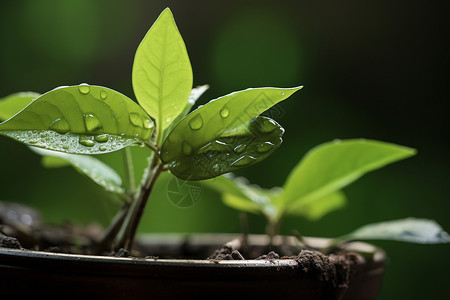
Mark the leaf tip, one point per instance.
(167, 11)
(411, 151)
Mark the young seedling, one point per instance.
(314, 188)
(224, 135)
(68, 124)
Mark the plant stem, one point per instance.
(113, 229)
(125, 237)
(272, 229)
(153, 147)
(141, 202)
(129, 170)
(116, 224)
(244, 226)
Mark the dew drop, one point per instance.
(187, 148)
(196, 123)
(136, 119)
(86, 141)
(225, 112)
(282, 94)
(264, 147)
(103, 95)
(84, 88)
(65, 147)
(216, 169)
(168, 120)
(243, 161)
(148, 124)
(60, 125)
(239, 148)
(92, 122)
(102, 148)
(101, 138)
(268, 125)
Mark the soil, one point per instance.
(19, 232)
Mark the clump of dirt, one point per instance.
(334, 271)
(9, 242)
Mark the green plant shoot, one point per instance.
(224, 135)
(70, 123)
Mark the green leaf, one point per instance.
(238, 193)
(334, 165)
(226, 117)
(320, 207)
(99, 172)
(80, 119)
(235, 149)
(196, 93)
(241, 204)
(193, 97)
(420, 231)
(228, 184)
(12, 104)
(162, 74)
(54, 162)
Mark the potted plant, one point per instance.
(68, 124)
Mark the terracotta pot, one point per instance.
(32, 273)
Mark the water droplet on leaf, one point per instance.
(268, 125)
(136, 119)
(60, 125)
(243, 161)
(103, 95)
(264, 147)
(86, 141)
(196, 123)
(239, 148)
(216, 169)
(101, 138)
(92, 122)
(225, 112)
(102, 148)
(148, 123)
(84, 88)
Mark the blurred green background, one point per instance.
(373, 69)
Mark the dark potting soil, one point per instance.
(335, 269)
